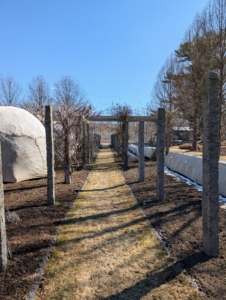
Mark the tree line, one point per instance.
(180, 82)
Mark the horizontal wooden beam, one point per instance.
(151, 118)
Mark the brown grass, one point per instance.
(197, 152)
(106, 250)
(188, 146)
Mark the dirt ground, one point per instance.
(29, 237)
(179, 223)
(177, 219)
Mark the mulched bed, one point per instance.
(33, 233)
(178, 221)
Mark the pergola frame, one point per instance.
(211, 143)
(160, 120)
(151, 118)
(140, 119)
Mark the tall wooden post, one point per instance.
(93, 144)
(67, 153)
(112, 141)
(211, 149)
(84, 144)
(160, 153)
(168, 134)
(125, 150)
(50, 155)
(88, 142)
(3, 240)
(116, 143)
(141, 150)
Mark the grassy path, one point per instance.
(106, 250)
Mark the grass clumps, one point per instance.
(188, 146)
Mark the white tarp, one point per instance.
(133, 148)
(148, 151)
(191, 167)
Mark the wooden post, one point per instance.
(112, 143)
(88, 142)
(160, 153)
(141, 150)
(168, 135)
(84, 144)
(99, 141)
(50, 155)
(116, 143)
(3, 239)
(211, 149)
(93, 144)
(125, 150)
(67, 153)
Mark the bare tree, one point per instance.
(164, 94)
(39, 91)
(38, 97)
(214, 30)
(68, 92)
(122, 111)
(10, 91)
(71, 107)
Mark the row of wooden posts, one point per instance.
(89, 148)
(90, 144)
(160, 150)
(211, 149)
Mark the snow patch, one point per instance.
(179, 177)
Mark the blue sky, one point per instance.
(113, 48)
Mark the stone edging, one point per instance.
(39, 272)
(162, 243)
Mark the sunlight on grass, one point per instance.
(106, 249)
